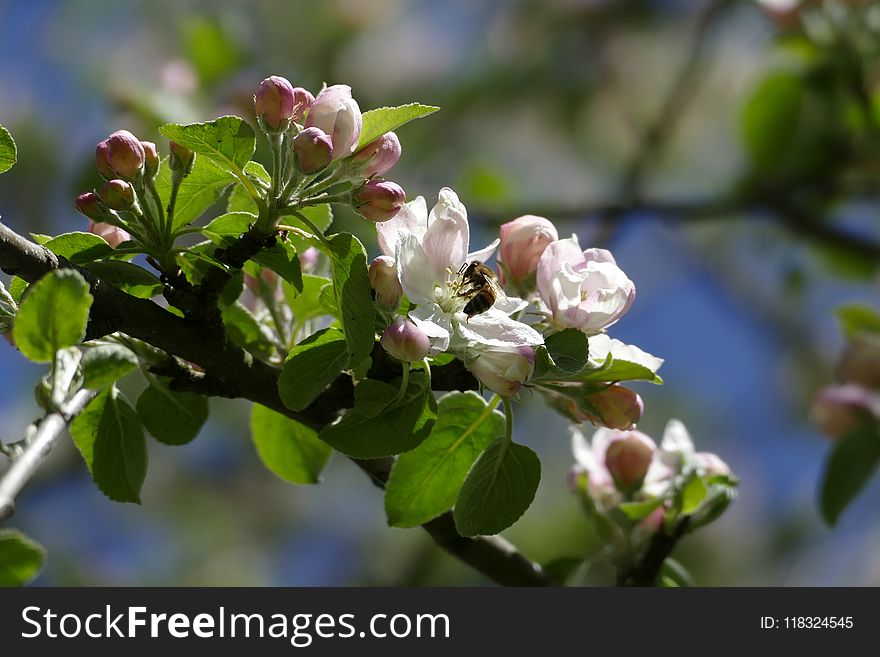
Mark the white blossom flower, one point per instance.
(583, 289)
(430, 249)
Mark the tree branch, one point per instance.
(646, 571)
(25, 465)
(230, 371)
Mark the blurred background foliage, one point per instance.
(727, 152)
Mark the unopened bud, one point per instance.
(302, 101)
(838, 410)
(274, 103)
(312, 150)
(379, 200)
(711, 464)
(523, 241)
(117, 195)
(502, 369)
(384, 283)
(405, 341)
(377, 157)
(91, 206)
(181, 159)
(336, 113)
(113, 235)
(860, 362)
(121, 155)
(151, 159)
(628, 458)
(615, 407)
(308, 259)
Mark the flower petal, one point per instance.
(429, 317)
(485, 253)
(601, 345)
(495, 328)
(446, 241)
(414, 269)
(412, 218)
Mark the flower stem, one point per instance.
(508, 424)
(404, 384)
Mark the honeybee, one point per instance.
(479, 285)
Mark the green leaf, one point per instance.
(8, 152)
(109, 436)
(400, 427)
(197, 192)
(17, 286)
(635, 511)
(228, 141)
(308, 303)
(850, 466)
(351, 285)
(498, 489)
(172, 417)
(426, 481)
(289, 449)
(79, 248)
(244, 329)
(129, 278)
(310, 367)
(692, 495)
(21, 559)
(858, 318)
(53, 316)
(106, 364)
(284, 261)
(371, 397)
(568, 349)
(281, 258)
(673, 574)
(385, 119)
(240, 199)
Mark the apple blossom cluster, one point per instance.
(632, 489)
(853, 404)
(424, 257)
(315, 140)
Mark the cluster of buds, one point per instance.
(128, 166)
(854, 404)
(618, 468)
(324, 132)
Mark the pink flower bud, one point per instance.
(336, 113)
(302, 99)
(113, 235)
(377, 157)
(121, 155)
(628, 458)
(384, 283)
(379, 200)
(90, 205)
(117, 194)
(312, 150)
(616, 407)
(181, 159)
(837, 410)
(523, 241)
(711, 464)
(405, 341)
(151, 159)
(274, 103)
(860, 362)
(502, 369)
(308, 259)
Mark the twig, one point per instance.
(230, 371)
(37, 449)
(647, 568)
